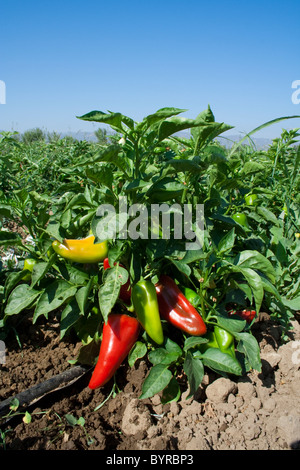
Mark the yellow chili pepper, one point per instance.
(82, 250)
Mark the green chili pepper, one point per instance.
(225, 341)
(191, 296)
(28, 265)
(144, 299)
(212, 342)
(251, 199)
(241, 219)
(219, 339)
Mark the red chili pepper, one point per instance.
(247, 315)
(125, 291)
(119, 335)
(176, 309)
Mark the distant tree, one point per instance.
(102, 136)
(53, 136)
(33, 135)
(69, 139)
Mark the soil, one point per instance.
(259, 411)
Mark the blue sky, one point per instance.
(60, 60)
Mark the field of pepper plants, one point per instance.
(95, 256)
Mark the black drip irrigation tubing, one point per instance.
(35, 393)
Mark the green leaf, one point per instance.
(184, 166)
(248, 345)
(193, 341)
(255, 282)
(71, 419)
(138, 351)
(206, 116)
(292, 304)
(206, 133)
(222, 362)
(159, 115)
(267, 215)
(53, 229)
(175, 124)
(21, 195)
(88, 353)
(171, 393)
(115, 251)
(36, 197)
(81, 421)
(14, 404)
(6, 211)
(113, 154)
(79, 201)
(72, 274)
(165, 189)
(27, 418)
(157, 379)
(193, 255)
(227, 242)
(255, 260)
(268, 287)
(66, 218)
(109, 291)
(117, 272)
(69, 316)
(115, 120)
(251, 167)
(40, 269)
(233, 325)
(82, 295)
(136, 185)
(193, 367)
(55, 295)
(12, 280)
(162, 356)
(10, 239)
(244, 287)
(21, 297)
(100, 174)
(180, 265)
(172, 347)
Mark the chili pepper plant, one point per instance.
(158, 296)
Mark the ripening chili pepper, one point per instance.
(125, 291)
(145, 305)
(176, 309)
(245, 314)
(225, 341)
(118, 337)
(83, 250)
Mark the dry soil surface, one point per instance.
(259, 411)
